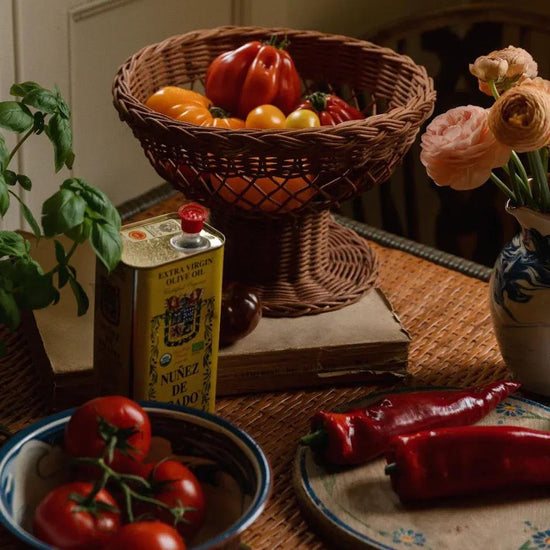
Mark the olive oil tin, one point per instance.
(157, 316)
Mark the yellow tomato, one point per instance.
(166, 98)
(264, 117)
(302, 118)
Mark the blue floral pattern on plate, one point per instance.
(408, 537)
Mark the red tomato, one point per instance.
(59, 523)
(175, 485)
(251, 75)
(146, 535)
(93, 423)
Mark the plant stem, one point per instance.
(540, 179)
(503, 187)
(523, 173)
(515, 183)
(18, 146)
(493, 88)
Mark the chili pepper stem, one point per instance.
(390, 468)
(315, 439)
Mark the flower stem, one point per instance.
(515, 182)
(523, 173)
(540, 180)
(493, 88)
(503, 187)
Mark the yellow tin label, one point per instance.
(168, 349)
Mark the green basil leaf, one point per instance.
(13, 244)
(62, 211)
(60, 253)
(80, 233)
(60, 134)
(15, 116)
(62, 106)
(38, 123)
(37, 290)
(9, 310)
(63, 276)
(10, 177)
(81, 298)
(24, 182)
(105, 240)
(99, 202)
(24, 88)
(31, 220)
(4, 196)
(4, 153)
(41, 99)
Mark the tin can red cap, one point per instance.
(193, 216)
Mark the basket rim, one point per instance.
(122, 95)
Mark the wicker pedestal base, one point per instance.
(298, 266)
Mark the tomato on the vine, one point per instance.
(61, 520)
(103, 419)
(146, 535)
(175, 485)
(302, 118)
(264, 117)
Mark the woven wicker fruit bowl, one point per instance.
(280, 237)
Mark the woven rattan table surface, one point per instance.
(447, 315)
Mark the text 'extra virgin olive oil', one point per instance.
(157, 315)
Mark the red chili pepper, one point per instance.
(361, 434)
(331, 109)
(467, 459)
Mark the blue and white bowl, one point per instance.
(232, 468)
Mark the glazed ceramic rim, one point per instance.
(241, 438)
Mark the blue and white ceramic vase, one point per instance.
(520, 301)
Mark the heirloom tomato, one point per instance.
(62, 521)
(331, 109)
(265, 117)
(267, 194)
(205, 116)
(254, 74)
(174, 484)
(164, 99)
(146, 535)
(302, 118)
(97, 423)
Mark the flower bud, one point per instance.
(520, 118)
(504, 67)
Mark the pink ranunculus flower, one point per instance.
(459, 150)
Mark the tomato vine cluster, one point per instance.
(118, 500)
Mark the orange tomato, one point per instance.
(205, 116)
(164, 99)
(264, 117)
(267, 194)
